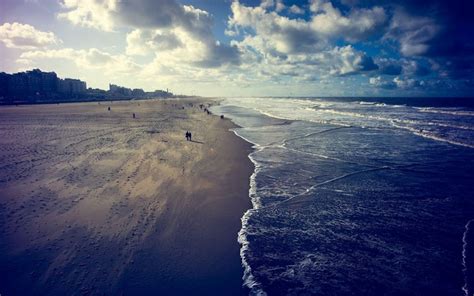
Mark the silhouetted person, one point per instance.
(187, 136)
(222, 116)
(108, 109)
(190, 136)
(133, 115)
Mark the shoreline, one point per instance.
(148, 212)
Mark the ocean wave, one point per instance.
(465, 288)
(416, 126)
(432, 136)
(450, 112)
(248, 278)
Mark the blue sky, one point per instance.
(247, 48)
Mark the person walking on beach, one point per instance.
(187, 136)
(190, 136)
(133, 115)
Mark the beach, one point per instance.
(94, 201)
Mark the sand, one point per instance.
(95, 202)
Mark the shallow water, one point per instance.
(357, 197)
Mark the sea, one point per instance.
(358, 196)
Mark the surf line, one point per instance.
(330, 181)
(314, 133)
(465, 288)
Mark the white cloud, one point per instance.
(92, 59)
(408, 83)
(397, 82)
(179, 46)
(296, 9)
(381, 83)
(280, 6)
(143, 41)
(279, 33)
(289, 36)
(108, 15)
(159, 27)
(89, 13)
(24, 36)
(345, 60)
(358, 25)
(265, 4)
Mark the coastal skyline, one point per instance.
(247, 48)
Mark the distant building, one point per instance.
(18, 85)
(138, 92)
(161, 94)
(4, 77)
(71, 86)
(49, 82)
(119, 90)
(38, 86)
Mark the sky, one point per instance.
(247, 48)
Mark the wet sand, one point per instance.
(96, 202)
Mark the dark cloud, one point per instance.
(414, 34)
(366, 64)
(162, 14)
(439, 31)
(417, 68)
(221, 54)
(166, 41)
(150, 14)
(456, 21)
(298, 40)
(390, 69)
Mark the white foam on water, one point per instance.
(450, 112)
(366, 103)
(248, 278)
(432, 136)
(465, 288)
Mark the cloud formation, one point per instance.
(92, 58)
(414, 33)
(289, 35)
(24, 36)
(346, 61)
(314, 45)
(381, 83)
(159, 27)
